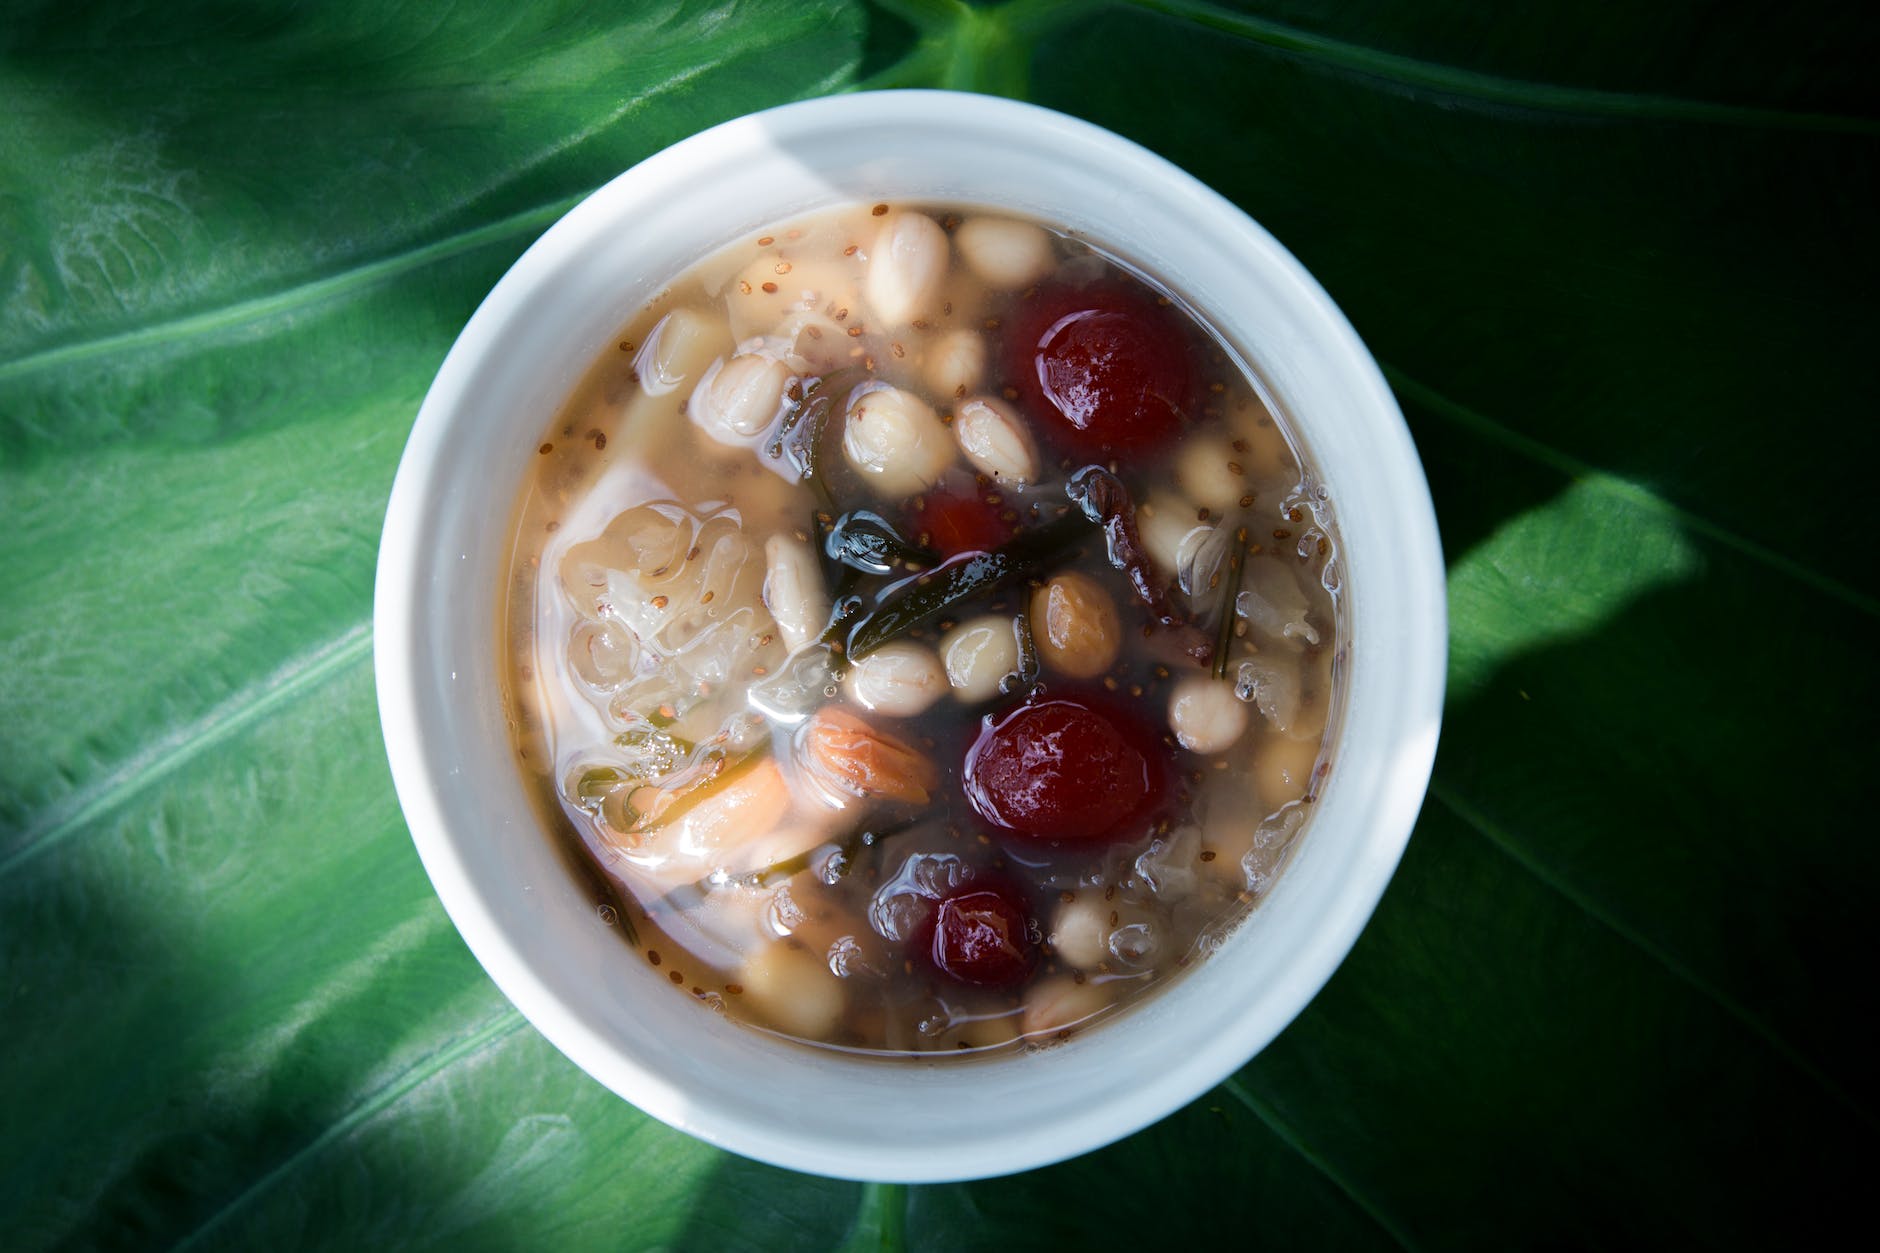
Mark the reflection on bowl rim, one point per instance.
(503, 884)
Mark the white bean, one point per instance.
(737, 400)
(906, 267)
(1075, 627)
(1080, 931)
(994, 439)
(1089, 931)
(795, 990)
(1265, 454)
(1212, 474)
(895, 441)
(1205, 715)
(679, 348)
(955, 364)
(1163, 522)
(979, 654)
(803, 285)
(793, 590)
(1282, 768)
(1005, 252)
(899, 679)
(1059, 1002)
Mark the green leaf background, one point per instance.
(1617, 262)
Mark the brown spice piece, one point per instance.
(879, 209)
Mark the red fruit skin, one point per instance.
(982, 936)
(953, 523)
(1104, 371)
(1068, 769)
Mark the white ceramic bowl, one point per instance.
(446, 542)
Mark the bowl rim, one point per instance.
(398, 635)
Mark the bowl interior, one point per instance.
(446, 545)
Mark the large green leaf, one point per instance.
(1616, 261)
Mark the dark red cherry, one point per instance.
(952, 523)
(1066, 768)
(982, 935)
(1105, 371)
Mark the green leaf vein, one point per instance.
(1237, 1088)
(242, 709)
(1456, 82)
(1477, 821)
(1481, 425)
(477, 1042)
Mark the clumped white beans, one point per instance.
(886, 704)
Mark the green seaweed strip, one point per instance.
(925, 597)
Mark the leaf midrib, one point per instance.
(473, 1045)
(1457, 82)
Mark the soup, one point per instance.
(922, 632)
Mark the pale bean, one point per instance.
(793, 590)
(955, 364)
(796, 991)
(1005, 252)
(804, 285)
(737, 400)
(900, 679)
(1264, 454)
(906, 267)
(895, 441)
(679, 348)
(1205, 714)
(1075, 627)
(1211, 473)
(994, 439)
(1060, 1002)
(1163, 523)
(979, 654)
(1080, 931)
(1282, 768)
(1089, 932)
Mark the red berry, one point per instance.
(952, 523)
(1065, 769)
(982, 935)
(1105, 370)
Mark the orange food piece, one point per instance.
(846, 757)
